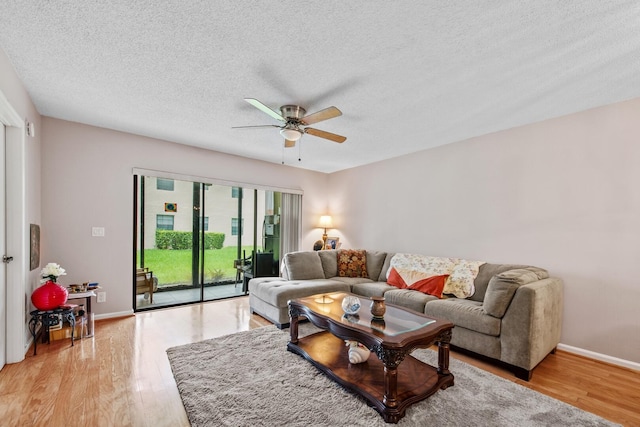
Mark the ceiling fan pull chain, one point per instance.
(299, 151)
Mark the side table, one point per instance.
(86, 296)
(48, 318)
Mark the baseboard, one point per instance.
(113, 315)
(599, 356)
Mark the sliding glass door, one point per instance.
(201, 241)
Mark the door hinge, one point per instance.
(7, 259)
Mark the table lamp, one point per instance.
(325, 222)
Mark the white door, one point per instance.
(3, 246)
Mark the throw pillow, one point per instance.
(352, 263)
(329, 263)
(303, 266)
(502, 287)
(420, 273)
(395, 279)
(420, 266)
(375, 261)
(432, 285)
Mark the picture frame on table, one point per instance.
(333, 243)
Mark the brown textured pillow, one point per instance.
(352, 263)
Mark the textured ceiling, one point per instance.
(407, 75)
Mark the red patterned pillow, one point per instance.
(352, 263)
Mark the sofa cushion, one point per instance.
(485, 273)
(352, 263)
(278, 292)
(329, 259)
(375, 261)
(370, 289)
(463, 312)
(352, 280)
(503, 286)
(303, 265)
(406, 298)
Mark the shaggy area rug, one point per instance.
(250, 379)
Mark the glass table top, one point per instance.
(396, 320)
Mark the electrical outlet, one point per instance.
(97, 231)
(102, 296)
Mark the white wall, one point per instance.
(87, 182)
(561, 194)
(15, 92)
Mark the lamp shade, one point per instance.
(325, 221)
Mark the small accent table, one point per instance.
(48, 318)
(86, 296)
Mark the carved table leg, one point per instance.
(390, 398)
(294, 317)
(443, 355)
(390, 358)
(443, 358)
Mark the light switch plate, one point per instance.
(97, 231)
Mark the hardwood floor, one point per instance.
(122, 377)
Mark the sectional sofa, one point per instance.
(514, 315)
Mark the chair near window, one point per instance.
(145, 283)
(242, 266)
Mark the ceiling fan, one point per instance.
(295, 122)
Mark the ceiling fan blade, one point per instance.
(326, 135)
(260, 106)
(289, 143)
(257, 126)
(326, 114)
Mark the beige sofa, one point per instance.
(514, 316)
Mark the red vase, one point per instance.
(49, 296)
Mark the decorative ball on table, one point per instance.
(50, 295)
(351, 304)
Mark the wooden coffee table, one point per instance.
(392, 381)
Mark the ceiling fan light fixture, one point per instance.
(291, 134)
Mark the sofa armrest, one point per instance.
(532, 324)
